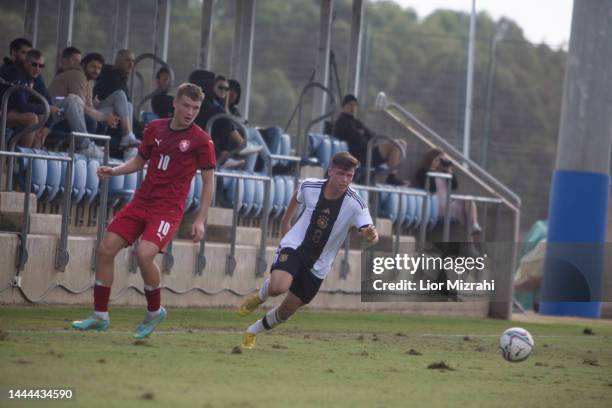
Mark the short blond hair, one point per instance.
(190, 90)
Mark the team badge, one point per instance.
(322, 221)
(283, 258)
(184, 145)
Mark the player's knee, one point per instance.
(144, 255)
(278, 288)
(106, 251)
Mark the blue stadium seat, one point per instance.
(320, 147)
(189, 198)
(389, 205)
(285, 147)
(258, 199)
(279, 196)
(410, 214)
(228, 191)
(418, 211)
(115, 186)
(147, 117)
(80, 178)
(39, 172)
(248, 197)
(434, 211)
(130, 182)
(289, 190)
(338, 146)
(54, 177)
(64, 166)
(197, 192)
(92, 183)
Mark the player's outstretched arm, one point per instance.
(134, 164)
(288, 217)
(208, 181)
(370, 234)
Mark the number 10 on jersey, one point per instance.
(164, 161)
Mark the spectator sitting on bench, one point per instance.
(463, 211)
(161, 102)
(226, 137)
(71, 57)
(110, 95)
(348, 128)
(18, 48)
(72, 90)
(23, 109)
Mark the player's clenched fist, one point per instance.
(369, 233)
(104, 172)
(197, 231)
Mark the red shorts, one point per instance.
(155, 225)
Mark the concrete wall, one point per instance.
(183, 287)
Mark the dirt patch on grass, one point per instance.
(413, 352)
(440, 365)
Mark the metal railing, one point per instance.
(302, 137)
(102, 210)
(478, 171)
(22, 253)
(19, 135)
(370, 148)
(261, 263)
(148, 96)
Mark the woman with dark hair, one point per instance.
(462, 211)
(233, 97)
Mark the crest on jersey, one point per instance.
(322, 221)
(283, 258)
(184, 145)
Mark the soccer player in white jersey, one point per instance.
(308, 247)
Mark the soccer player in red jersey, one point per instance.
(175, 148)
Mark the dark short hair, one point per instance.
(344, 160)
(348, 98)
(92, 56)
(161, 71)
(70, 51)
(202, 78)
(193, 91)
(33, 54)
(17, 43)
(220, 78)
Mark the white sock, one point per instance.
(256, 327)
(269, 321)
(263, 291)
(102, 315)
(155, 313)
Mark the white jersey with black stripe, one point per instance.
(323, 225)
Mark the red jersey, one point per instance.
(174, 156)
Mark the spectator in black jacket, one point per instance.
(161, 102)
(226, 137)
(348, 128)
(18, 49)
(23, 109)
(233, 97)
(111, 95)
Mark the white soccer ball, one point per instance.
(516, 344)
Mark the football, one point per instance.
(516, 344)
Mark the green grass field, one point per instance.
(323, 359)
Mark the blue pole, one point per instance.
(571, 285)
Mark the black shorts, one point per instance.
(305, 284)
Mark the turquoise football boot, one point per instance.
(149, 324)
(93, 322)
